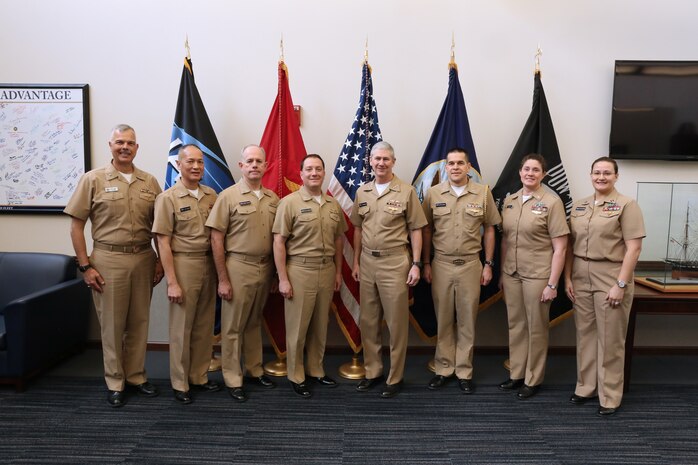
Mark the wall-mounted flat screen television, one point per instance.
(655, 110)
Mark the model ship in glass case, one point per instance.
(669, 258)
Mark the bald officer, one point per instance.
(456, 210)
(308, 245)
(241, 238)
(119, 200)
(185, 252)
(386, 211)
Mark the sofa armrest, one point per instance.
(43, 326)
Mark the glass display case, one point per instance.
(669, 258)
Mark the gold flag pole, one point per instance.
(539, 53)
(186, 46)
(278, 367)
(355, 369)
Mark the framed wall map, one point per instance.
(44, 145)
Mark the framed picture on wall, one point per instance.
(44, 145)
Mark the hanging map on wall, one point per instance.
(44, 145)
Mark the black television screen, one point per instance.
(655, 110)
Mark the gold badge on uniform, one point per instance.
(611, 206)
(538, 208)
(394, 205)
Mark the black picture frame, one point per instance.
(44, 145)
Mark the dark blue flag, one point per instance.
(192, 126)
(537, 136)
(452, 130)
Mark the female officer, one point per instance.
(607, 231)
(534, 241)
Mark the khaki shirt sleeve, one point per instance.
(356, 219)
(342, 227)
(557, 222)
(632, 222)
(80, 203)
(283, 221)
(426, 207)
(492, 218)
(415, 214)
(164, 215)
(219, 217)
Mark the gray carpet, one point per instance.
(66, 420)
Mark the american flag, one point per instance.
(352, 171)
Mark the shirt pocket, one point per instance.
(147, 196)
(334, 216)
(246, 209)
(473, 218)
(441, 217)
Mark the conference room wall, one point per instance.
(131, 54)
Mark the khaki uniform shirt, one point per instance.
(245, 219)
(385, 219)
(599, 231)
(182, 216)
(310, 228)
(456, 221)
(121, 213)
(529, 229)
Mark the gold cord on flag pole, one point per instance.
(186, 46)
(538, 54)
(452, 63)
(366, 50)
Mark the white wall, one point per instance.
(131, 54)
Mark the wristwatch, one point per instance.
(489, 262)
(621, 284)
(552, 286)
(419, 265)
(84, 268)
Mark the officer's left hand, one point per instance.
(486, 275)
(548, 294)
(159, 272)
(337, 281)
(413, 276)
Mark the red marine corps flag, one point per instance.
(283, 143)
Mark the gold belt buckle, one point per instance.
(375, 253)
(459, 261)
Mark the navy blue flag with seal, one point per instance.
(192, 126)
(537, 136)
(452, 129)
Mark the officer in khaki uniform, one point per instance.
(607, 230)
(241, 238)
(308, 244)
(456, 210)
(534, 241)
(185, 252)
(118, 200)
(386, 211)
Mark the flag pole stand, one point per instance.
(353, 369)
(276, 368)
(507, 364)
(432, 365)
(215, 364)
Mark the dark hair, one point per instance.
(609, 160)
(459, 150)
(312, 155)
(536, 157)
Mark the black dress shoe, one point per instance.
(437, 382)
(326, 381)
(391, 390)
(580, 400)
(208, 386)
(238, 394)
(146, 389)
(511, 384)
(367, 384)
(183, 397)
(263, 381)
(605, 411)
(301, 389)
(466, 385)
(116, 399)
(527, 391)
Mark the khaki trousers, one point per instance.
(241, 318)
(307, 316)
(455, 289)
(601, 331)
(123, 310)
(384, 295)
(528, 327)
(191, 322)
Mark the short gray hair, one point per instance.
(383, 145)
(121, 128)
(242, 152)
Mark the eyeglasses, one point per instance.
(603, 173)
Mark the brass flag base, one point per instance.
(215, 364)
(276, 368)
(432, 365)
(507, 365)
(353, 369)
